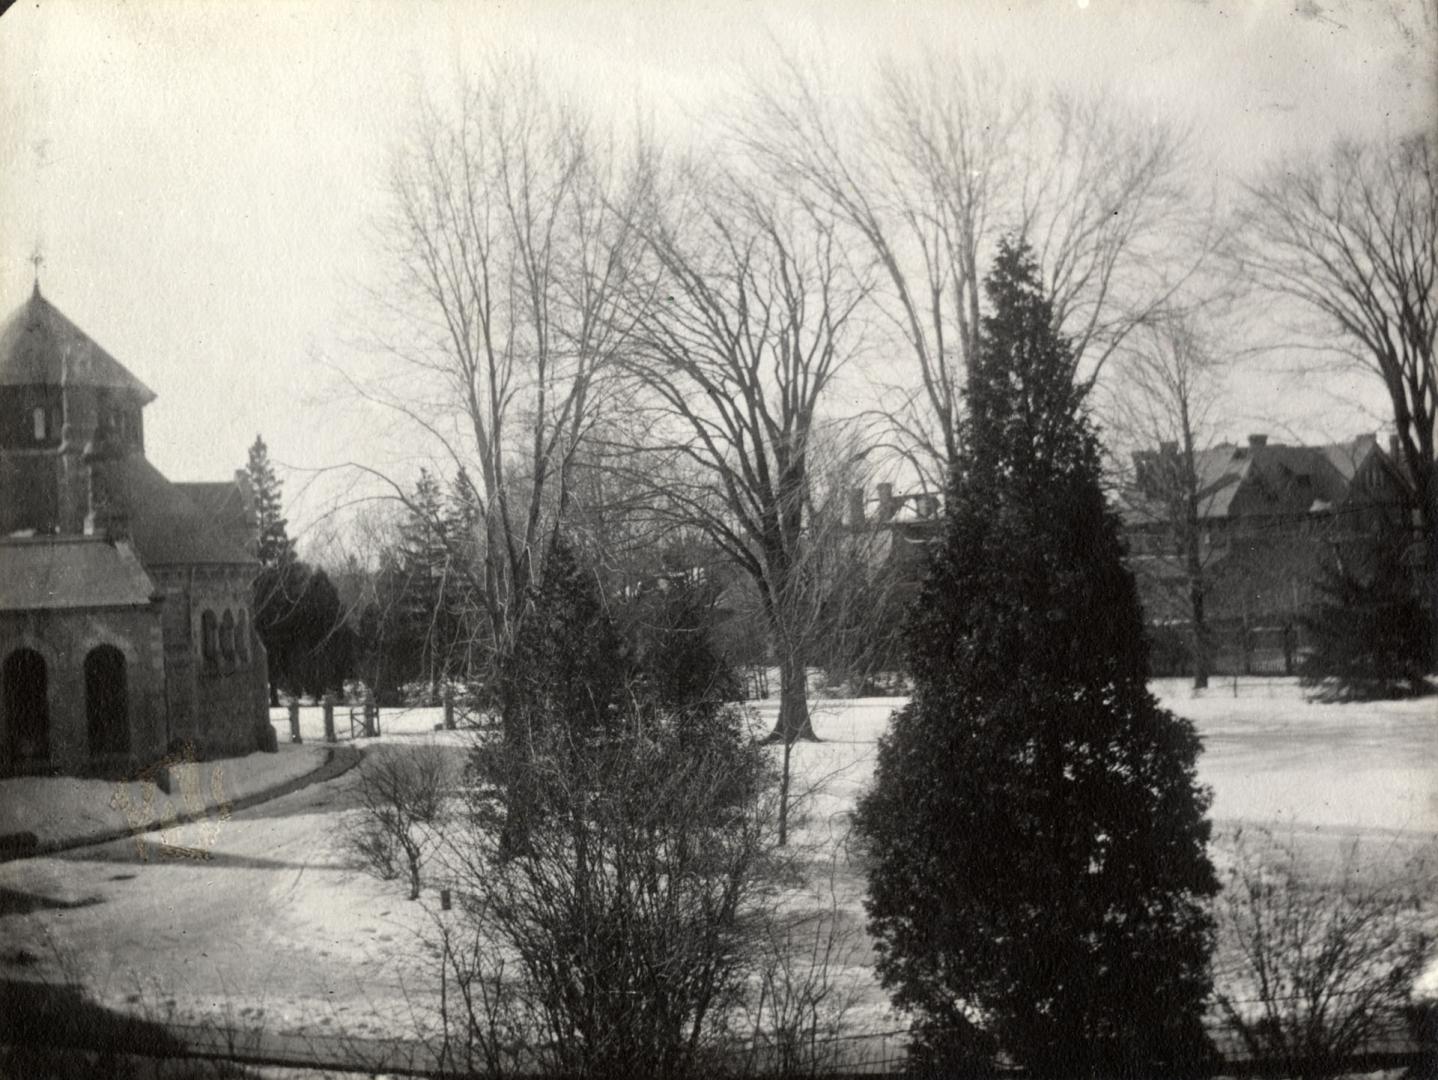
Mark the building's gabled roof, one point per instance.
(36, 339)
(51, 573)
(228, 505)
(1273, 479)
(166, 526)
(1219, 472)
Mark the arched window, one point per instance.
(227, 637)
(27, 710)
(107, 705)
(209, 638)
(38, 416)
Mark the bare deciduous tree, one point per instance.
(1353, 238)
(736, 362)
(510, 239)
(1162, 403)
(946, 159)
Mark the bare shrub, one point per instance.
(620, 938)
(804, 994)
(482, 1024)
(404, 806)
(1314, 965)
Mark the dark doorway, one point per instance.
(106, 706)
(27, 708)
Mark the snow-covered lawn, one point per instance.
(280, 929)
(1269, 755)
(62, 809)
(1322, 776)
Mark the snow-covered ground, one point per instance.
(277, 928)
(1271, 756)
(62, 809)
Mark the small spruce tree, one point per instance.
(566, 675)
(1037, 833)
(1369, 630)
(677, 672)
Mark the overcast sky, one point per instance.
(199, 177)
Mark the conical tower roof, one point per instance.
(35, 340)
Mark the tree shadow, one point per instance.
(53, 1030)
(19, 902)
(139, 851)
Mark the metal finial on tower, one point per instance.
(37, 260)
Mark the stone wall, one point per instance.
(64, 639)
(29, 496)
(217, 670)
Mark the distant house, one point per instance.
(125, 599)
(905, 526)
(1269, 518)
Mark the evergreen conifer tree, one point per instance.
(568, 666)
(1037, 832)
(426, 622)
(274, 545)
(281, 580)
(1369, 629)
(678, 672)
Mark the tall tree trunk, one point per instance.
(794, 721)
(1201, 663)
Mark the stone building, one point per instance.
(125, 618)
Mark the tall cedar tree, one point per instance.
(1038, 835)
(1369, 628)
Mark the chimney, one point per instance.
(856, 508)
(888, 505)
(1257, 442)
